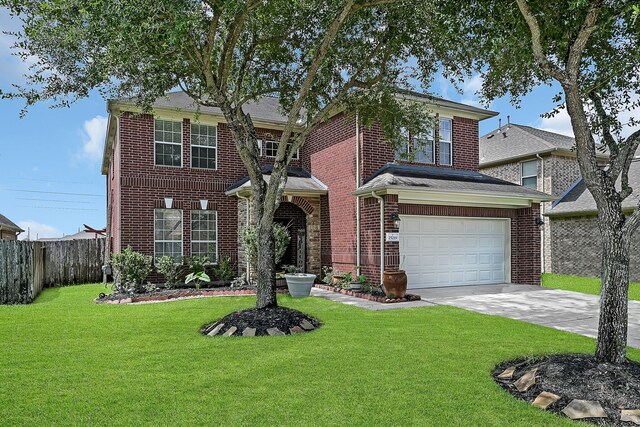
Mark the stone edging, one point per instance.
(407, 298)
(185, 295)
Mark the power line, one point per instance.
(53, 200)
(52, 181)
(58, 207)
(55, 192)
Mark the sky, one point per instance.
(50, 179)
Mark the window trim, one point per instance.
(204, 241)
(155, 256)
(450, 142)
(522, 176)
(296, 157)
(202, 146)
(170, 143)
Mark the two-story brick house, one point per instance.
(176, 186)
(534, 158)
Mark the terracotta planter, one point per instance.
(337, 280)
(395, 283)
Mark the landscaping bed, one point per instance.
(260, 322)
(576, 386)
(377, 296)
(168, 294)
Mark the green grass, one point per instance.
(67, 361)
(585, 285)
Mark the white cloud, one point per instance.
(12, 67)
(473, 85)
(560, 123)
(93, 133)
(34, 230)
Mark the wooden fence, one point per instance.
(27, 267)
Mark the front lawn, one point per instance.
(586, 285)
(67, 361)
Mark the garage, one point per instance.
(454, 251)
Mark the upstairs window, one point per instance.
(204, 234)
(168, 233)
(168, 143)
(271, 149)
(419, 148)
(529, 174)
(204, 146)
(445, 141)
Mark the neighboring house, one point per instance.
(534, 158)
(176, 186)
(87, 234)
(8, 229)
(575, 238)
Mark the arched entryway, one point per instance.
(295, 219)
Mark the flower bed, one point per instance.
(370, 297)
(164, 295)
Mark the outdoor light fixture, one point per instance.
(396, 220)
(168, 202)
(204, 204)
(539, 221)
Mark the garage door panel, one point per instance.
(441, 251)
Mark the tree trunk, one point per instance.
(266, 286)
(612, 328)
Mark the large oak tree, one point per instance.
(316, 56)
(590, 48)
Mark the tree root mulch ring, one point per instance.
(260, 322)
(169, 294)
(579, 377)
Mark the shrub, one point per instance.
(327, 275)
(130, 270)
(224, 270)
(171, 269)
(197, 263)
(249, 236)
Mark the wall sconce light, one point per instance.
(396, 220)
(204, 204)
(539, 221)
(168, 202)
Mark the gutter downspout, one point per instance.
(358, 234)
(247, 223)
(381, 201)
(542, 230)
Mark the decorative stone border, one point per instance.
(407, 297)
(186, 295)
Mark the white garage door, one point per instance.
(448, 251)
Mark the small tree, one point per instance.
(130, 270)
(171, 270)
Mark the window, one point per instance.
(445, 141)
(168, 233)
(168, 143)
(271, 149)
(417, 148)
(204, 234)
(529, 174)
(204, 143)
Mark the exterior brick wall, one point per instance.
(577, 247)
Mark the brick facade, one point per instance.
(577, 247)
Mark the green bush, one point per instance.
(224, 270)
(197, 263)
(171, 270)
(249, 236)
(130, 270)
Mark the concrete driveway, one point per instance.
(564, 310)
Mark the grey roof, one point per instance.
(446, 180)
(7, 224)
(441, 102)
(298, 181)
(266, 109)
(81, 235)
(511, 142)
(577, 200)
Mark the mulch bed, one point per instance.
(169, 294)
(374, 296)
(260, 322)
(579, 376)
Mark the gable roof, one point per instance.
(7, 224)
(429, 178)
(577, 200)
(513, 141)
(436, 101)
